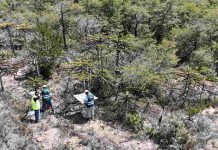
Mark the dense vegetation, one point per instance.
(130, 53)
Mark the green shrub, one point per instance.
(196, 109)
(6, 54)
(171, 133)
(34, 83)
(47, 53)
(134, 120)
(192, 111)
(150, 131)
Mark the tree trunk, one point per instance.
(37, 67)
(216, 65)
(101, 59)
(64, 29)
(136, 26)
(135, 29)
(186, 90)
(86, 27)
(67, 86)
(118, 54)
(1, 83)
(99, 53)
(10, 38)
(98, 57)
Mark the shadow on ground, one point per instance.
(27, 120)
(77, 118)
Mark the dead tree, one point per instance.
(35, 62)
(189, 91)
(186, 90)
(1, 83)
(10, 38)
(3, 71)
(64, 27)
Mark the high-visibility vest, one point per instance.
(35, 104)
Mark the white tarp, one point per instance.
(30, 113)
(81, 97)
(32, 93)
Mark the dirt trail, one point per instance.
(54, 131)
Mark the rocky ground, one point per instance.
(56, 132)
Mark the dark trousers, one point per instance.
(47, 106)
(37, 115)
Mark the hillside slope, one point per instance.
(54, 131)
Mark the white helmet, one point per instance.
(86, 91)
(44, 86)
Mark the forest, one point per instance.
(153, 64)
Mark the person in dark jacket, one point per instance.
(46, 99)
(89, 102)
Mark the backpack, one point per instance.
(46, 95)
(90, 101)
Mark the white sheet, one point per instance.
(81, 97)
(30, 113)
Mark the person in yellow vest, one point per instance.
(36, 107)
